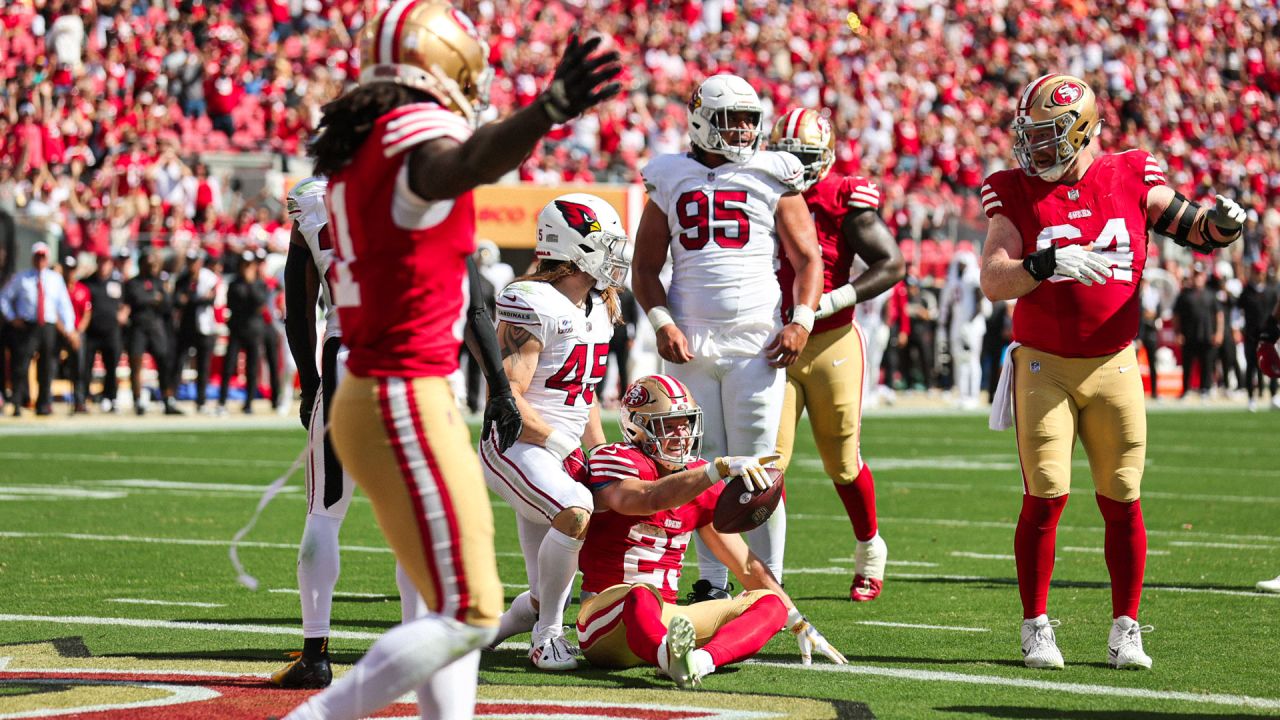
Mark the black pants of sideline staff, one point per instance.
(38, 342)
(251, 345)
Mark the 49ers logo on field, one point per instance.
(637, 395)
(579, 217)
(1068, 93)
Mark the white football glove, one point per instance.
(810, 639)
(749, 467)
(1227, 215)
(1077, 263)
(836, 300)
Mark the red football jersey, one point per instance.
(830, 199)
(630, 549)
(400, 277)
(1108, 208)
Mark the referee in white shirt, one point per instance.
(36, 304)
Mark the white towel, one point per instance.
(1002, 404)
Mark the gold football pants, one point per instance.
(407, 447)
(826, 380)
(1100, 400)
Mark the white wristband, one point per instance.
(712, 473)
(794, 617)
(803, 316)
(660, 317)
(844, 296)
(560, 443)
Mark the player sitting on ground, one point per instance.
(651, 492)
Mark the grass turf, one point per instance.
(77, 512)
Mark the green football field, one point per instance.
(117, 599)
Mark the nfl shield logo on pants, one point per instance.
(1035, 366)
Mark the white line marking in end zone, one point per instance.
(1064, 687)
(954, 628)
(140, 601)
(181, 625)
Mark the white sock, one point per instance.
(450, 694)
(318, 567)
(398, 662)
(531, 536)
(557, 564)
(702, 662)
(412, 605)
(709, 567)
(519, 618)
(770, 540)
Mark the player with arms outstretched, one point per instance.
(402, 155)
(725, 211)
(860, 260)
(1068, 238)
(554, 327)
(651, 492)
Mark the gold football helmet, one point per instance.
(660, 417)
(807, 135)
(431, 46)
(1057, 116)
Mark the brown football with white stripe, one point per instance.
(739, 510)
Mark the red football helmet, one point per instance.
(1269, 359)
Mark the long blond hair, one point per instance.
(549, 271)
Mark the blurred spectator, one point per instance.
(918, 358)
(1258, 301)
(1197, 318)
(36, 303)
(246, 305)
(73, 344)
(1149, 328)
(104, 333)
(150, 314)
(195, 291)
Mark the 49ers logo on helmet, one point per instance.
(636, 396)
(579, 217)
(1068, 93)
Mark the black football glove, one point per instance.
(576, 86)
(502, 415)
(304, 410)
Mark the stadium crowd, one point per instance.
(108, 107)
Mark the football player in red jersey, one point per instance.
(827, 379)
(1068, 238)
(651, 493)
(402, 155)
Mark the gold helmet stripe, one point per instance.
(392, 22)
(1027, 95)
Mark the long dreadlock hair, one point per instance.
(348, 120)
(549, 271)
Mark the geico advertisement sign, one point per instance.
(508, 214)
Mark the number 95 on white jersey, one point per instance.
(724, 245)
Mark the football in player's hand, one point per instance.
(739, 510)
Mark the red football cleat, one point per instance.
(864, 589)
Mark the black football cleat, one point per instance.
(304, 673)
(703, 590)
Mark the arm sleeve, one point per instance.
(296, 316)
(482, 340)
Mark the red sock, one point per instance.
(743, 636)
(1033, 546)
(1126, 549)
(859, 498)
(642, 615)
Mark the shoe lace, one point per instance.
(1133, 634)
(1044, 633)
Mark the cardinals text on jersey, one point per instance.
(721, 222)
(830, 200)
(311, 218)
(1106, 208)
(575, 350)
(630, 549)
(400, 276)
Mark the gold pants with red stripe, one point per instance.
(409, 450)
(1100, 400)
(826, 380)
(602, 634)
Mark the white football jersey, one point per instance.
(575, 350)
(724, 246)
(306, 207)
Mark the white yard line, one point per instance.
(176, 541)
(914, 626)
(140, 601)
(1228, 546)
(180, 625)
(1146, 588)
(980, 556)
(1047, 685)
(1100, 550)
(153, 459)
(339, 594)
(899, 563)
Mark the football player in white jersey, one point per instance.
(329, 487)
(554, 327)
(725, 211)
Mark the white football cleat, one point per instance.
(1271, 586)
(1124, 646)
(550, 651)
(678, 661)
(1039, 645)
(868, 569)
